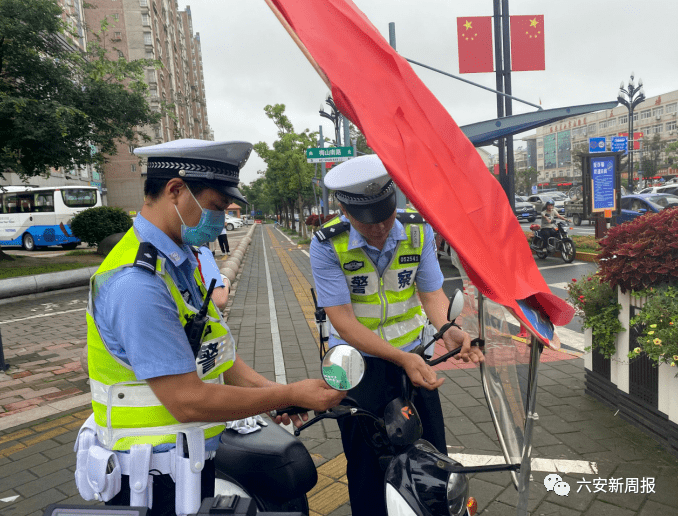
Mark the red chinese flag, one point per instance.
(425, 152)
(527, 43)
(474, 37)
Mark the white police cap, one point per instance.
(216, 164)
(364, 187)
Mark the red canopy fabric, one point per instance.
(423, 149)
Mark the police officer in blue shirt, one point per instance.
(135, 317)
(371, 267)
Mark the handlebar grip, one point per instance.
(290, 411)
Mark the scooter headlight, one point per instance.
(457, 494)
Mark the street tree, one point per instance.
(525, 178)
(258, 196)
(288, 175)
(57, 104)
(361, 141)
(650, 162)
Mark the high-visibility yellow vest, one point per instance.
(126, 410)
(386, 304)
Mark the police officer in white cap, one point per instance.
(156, 374)
(366, 265)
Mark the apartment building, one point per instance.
(153, 29)
(551, 149)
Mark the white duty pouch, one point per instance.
(97, 471)
(189, 460)
(103, 473)
(140, 482)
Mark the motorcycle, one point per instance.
(560, 243)
(269, 471)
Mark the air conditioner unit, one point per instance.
(658, 117)
(671, 131)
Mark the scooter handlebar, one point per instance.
(290, 411)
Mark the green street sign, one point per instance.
(329, 154)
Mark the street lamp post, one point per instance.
(335, 116)
(631, 96)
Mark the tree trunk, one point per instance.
(302, 222)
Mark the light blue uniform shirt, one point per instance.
(209, 268)
(138, 318)
(330, 281)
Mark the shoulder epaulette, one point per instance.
(405, 217)
(332, 231)
(147, 256)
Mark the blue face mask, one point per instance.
(209, 227)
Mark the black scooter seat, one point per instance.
(270, 460)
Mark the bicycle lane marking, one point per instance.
(278, 359)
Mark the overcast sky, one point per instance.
(591, 46)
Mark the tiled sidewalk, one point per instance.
(36, 459)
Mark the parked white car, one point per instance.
(232, 223)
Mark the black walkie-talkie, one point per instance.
(196, 325)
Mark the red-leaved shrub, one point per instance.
(314, 220)
(641, 253)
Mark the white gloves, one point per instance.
(247, 425)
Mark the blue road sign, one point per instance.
(252, 213)
(620, 144)
(597, 144)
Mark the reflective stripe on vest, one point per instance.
(125, 409)
(387, 304)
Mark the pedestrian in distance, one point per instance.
(163, 367)
(223, 242)
(368, 266)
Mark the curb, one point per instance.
(236, 258)
(582, 257)
(26, 285)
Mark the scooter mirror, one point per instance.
(343, 367)
(456, 305)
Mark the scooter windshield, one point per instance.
(505, 372)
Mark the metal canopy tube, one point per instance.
(485, 133)
(526, 465)
(472, 83)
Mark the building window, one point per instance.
(657, 129)
(624, 119)
(117, 35)
(671, 126)
(644, 115)
(592, 129)
(134, 168)
(145, 20)
(116, 16)
(658, 111)
(120, 54)
(143, 3)
(671, 108)
(149, 54)
(148, 40)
